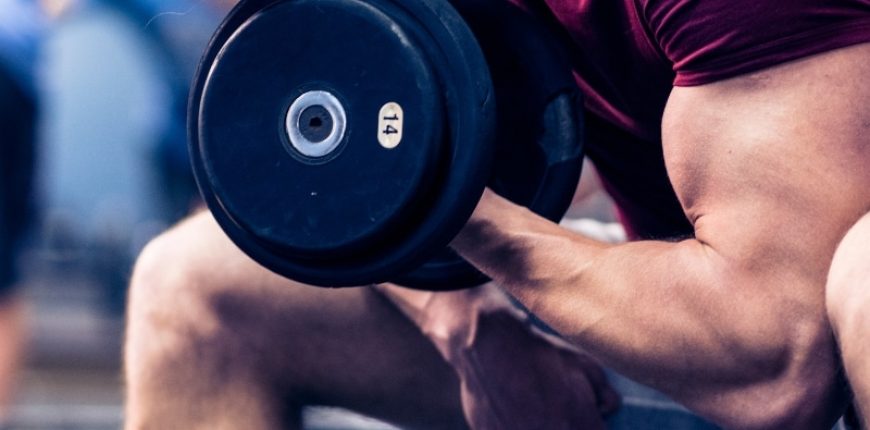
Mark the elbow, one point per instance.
(798, 382)
(804, 404)
(790, 375)
(807, 391)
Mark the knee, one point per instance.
(848, 286)
(170, 308)
(156, 277)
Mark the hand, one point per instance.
(513, 375)
(516, 376)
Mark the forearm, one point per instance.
(674, 315)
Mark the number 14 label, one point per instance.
(390, 120)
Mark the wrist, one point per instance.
(445, 317)
(490, 233)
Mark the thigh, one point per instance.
(346, 347)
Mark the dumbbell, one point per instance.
(346, 142)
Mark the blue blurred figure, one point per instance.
(179, 30)
(176, 32)
(21, 26)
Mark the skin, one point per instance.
(215, 341)
(12, 346)
(771, 170)
(848, 301)
(419, 360)
(474, 330)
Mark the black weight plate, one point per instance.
(540, 126)
(359, 193)
(318, 220)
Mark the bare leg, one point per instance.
(216, 342)
(12, 342)
(848, 302)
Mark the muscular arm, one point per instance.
(771, 170)
(848, 301)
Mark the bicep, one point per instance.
(770, 167)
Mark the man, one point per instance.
(848, 301)
(732, 135)
(20, 25)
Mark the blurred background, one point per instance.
(109, 79)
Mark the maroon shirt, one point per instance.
(628, 54)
